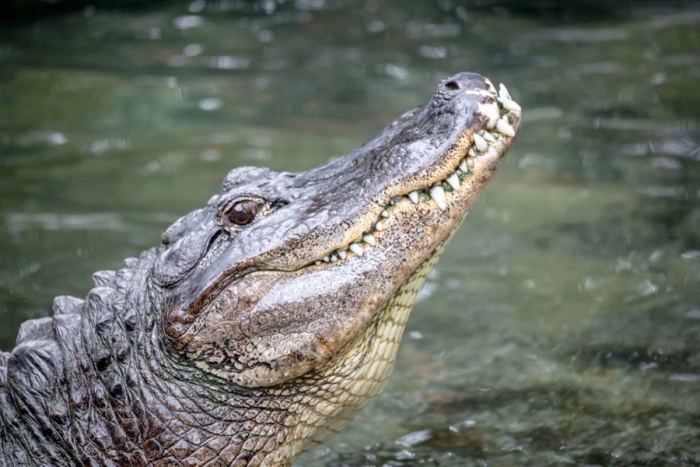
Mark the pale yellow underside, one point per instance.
(357, 375)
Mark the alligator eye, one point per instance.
(242, 212)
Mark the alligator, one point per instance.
(264, 321)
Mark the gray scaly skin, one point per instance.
(265, 320)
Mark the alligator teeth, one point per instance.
(480, 143)
(510, 105)
(470, 163)
(334, 258)
(326, 259)
(491, 112)
(488, 137)
(385, 213)
(379, 226)
(369, 239)
(504, 127)
(438, 194)
(453, 180)
(463, 166)
(357, 249)
(503, 92)
(414, 197)
(342, 254)
(471, 152)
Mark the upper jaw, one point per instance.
(452, 161)
(345, 199)
(432, 211)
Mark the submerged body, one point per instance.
(264, 321)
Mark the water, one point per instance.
(562, 326)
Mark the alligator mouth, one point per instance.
(490, 143)
(451, 180)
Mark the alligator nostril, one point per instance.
(452, 85)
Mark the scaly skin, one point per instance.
(264, 321)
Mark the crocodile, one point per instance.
(264, 321)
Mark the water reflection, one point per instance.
(563, 324)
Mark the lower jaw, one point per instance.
(361, 371)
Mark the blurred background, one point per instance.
(563, 324)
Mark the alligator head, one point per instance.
(278, 308)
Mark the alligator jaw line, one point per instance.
(494, 138)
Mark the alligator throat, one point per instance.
(266, 319)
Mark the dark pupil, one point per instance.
(243, 212)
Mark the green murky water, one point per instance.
(563, 325)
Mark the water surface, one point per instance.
(563, 324)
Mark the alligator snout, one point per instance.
(464, 82)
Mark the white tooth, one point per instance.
(480, 143)
(491, 112)
(510, 105)
(503, 92)
(453, 180)
(317, 262)
(488, 137)
(438, 195)
(342, 254)
(385, 213)
(463, 166)
(505, 128)
(379, 226)
(334, 258)
(413, 196)
(369, 240)
(470, 163)
(471, 152)
(357, 249)
(326, 259)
